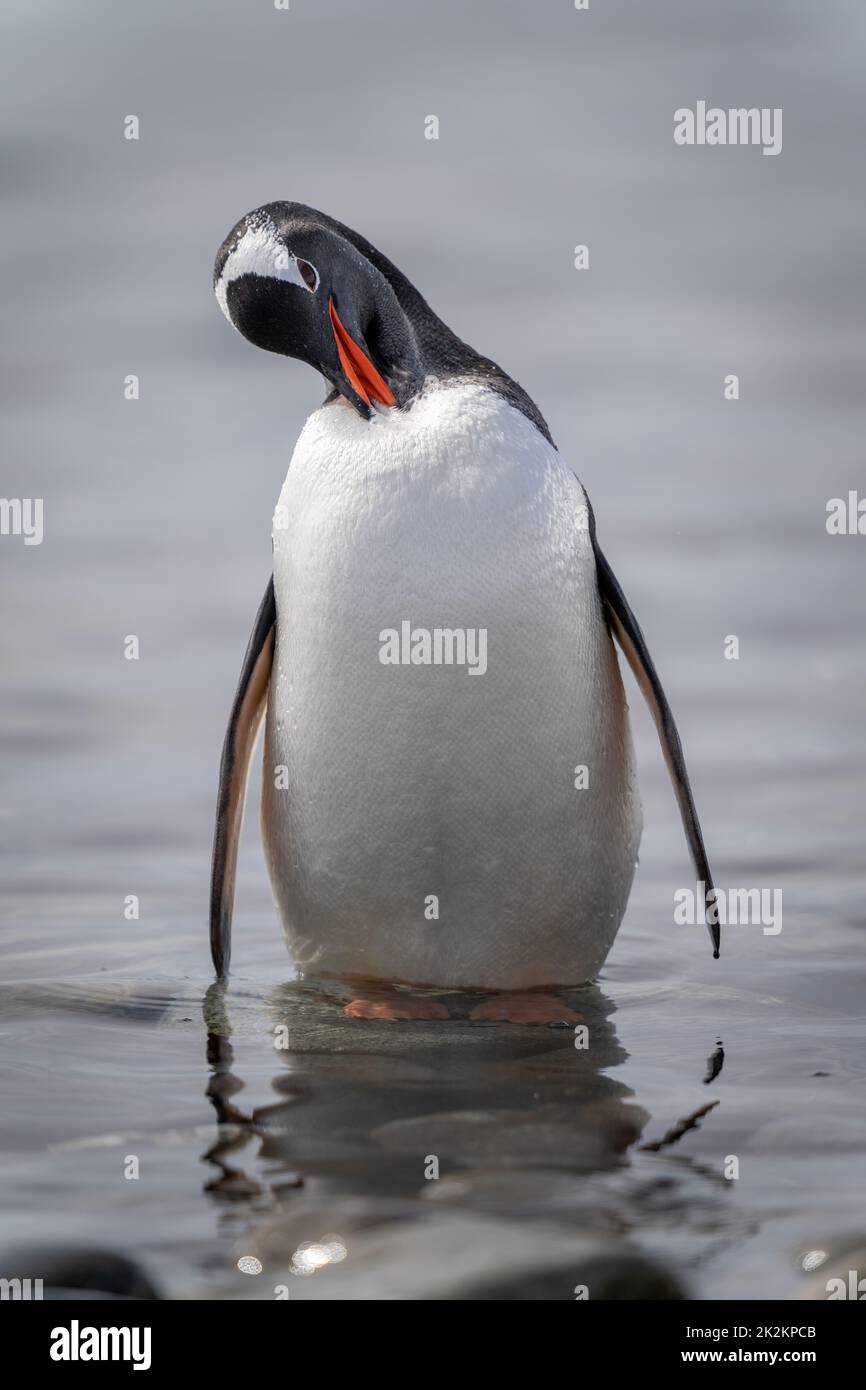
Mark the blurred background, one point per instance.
(555, 129)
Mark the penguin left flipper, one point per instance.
(625, 628)
(243, 727)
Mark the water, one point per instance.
(555, 129)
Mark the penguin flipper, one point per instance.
(246, 716)
(625, 628)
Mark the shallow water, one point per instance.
(157, 523)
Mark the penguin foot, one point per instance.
(393, 1007)
(524, 1008)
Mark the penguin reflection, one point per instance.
(360, 1105)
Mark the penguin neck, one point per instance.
(443, 355)
(424, 345)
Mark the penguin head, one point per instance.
(288, 280)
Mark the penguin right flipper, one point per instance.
(626, 629)
(243, 727)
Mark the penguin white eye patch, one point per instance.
(261, 252)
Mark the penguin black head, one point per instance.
(291, 281)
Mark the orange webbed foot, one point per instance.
(393, 1007)
(524, 1008)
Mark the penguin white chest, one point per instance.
(449, 793)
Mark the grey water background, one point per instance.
(555, 129)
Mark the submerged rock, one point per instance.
(77, 1272)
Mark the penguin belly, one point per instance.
(429, 821)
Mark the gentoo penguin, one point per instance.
(449, 790)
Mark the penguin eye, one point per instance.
(309, 274)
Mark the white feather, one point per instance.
(260, 251)
(406, 783)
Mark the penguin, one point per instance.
(450, 797)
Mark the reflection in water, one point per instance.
(235, 1130)
(503, 1148)
(363, 1102)
(683, 1126)
(715, 1062)
(432, 1153)
(379, 1124)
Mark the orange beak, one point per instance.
(360, 371)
